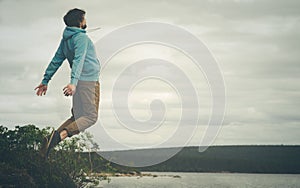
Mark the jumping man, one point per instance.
(78, 49)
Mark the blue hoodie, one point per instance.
(79, 50)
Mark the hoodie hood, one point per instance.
(70, 31)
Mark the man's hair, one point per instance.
(74, 17)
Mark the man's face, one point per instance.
(83, 23)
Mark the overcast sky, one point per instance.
(256, 43)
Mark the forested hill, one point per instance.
(243, 159)
(73, 160)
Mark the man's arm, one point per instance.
(55, 63)
(80, 46)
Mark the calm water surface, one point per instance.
(206, 180)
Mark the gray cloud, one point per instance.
(255, 43)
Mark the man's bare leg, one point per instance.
(63, 134)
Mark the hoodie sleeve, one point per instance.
(80, 47)
(55, 63)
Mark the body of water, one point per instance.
(205, 180)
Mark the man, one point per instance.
(78, 49)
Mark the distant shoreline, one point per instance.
(134, 174)
(171, 174)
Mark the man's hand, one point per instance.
(41, 89)
(69, 90)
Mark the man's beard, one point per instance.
(84, 26)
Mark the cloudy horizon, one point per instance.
(254, 42)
